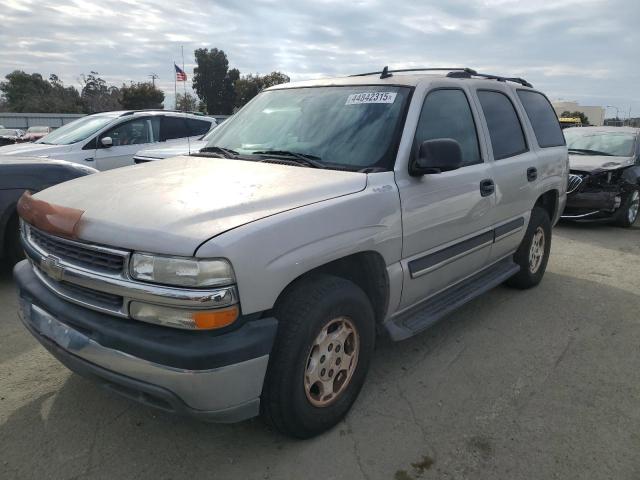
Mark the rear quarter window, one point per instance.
(543, 118)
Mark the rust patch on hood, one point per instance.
(50, 218)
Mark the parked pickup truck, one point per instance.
(252, 278)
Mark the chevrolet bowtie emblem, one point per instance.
(51, 266)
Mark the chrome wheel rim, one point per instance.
(632, 213)
(331, 362)
(536, 252)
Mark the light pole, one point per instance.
(617, 112)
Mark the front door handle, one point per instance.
(532, 173)
(487, 187)
(88, 159)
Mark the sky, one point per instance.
(582, 50)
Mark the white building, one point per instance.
(594, 114)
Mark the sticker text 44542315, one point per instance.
(371, 97)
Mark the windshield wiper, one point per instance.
(301, 158)
(585, 151)
(224, 152)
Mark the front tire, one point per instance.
(628, 213)
(533, 254)
(325, 341)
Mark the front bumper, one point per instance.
(214, 377)
(592, 205)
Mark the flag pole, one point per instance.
(184, 84)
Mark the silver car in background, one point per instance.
(110, 139)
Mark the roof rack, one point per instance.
(131, 112)
(455, 72)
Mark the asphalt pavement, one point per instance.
(537, 384)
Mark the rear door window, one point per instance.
(505, 130)
(173, 127)
(543, 118)
(198, 127)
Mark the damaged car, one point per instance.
(604, 179)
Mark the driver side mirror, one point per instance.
(437, 156)
(106, 142)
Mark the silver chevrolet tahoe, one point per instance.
(253, 277)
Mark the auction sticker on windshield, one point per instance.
(371, 97)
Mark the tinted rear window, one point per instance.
(505, 130)
(173, 127)
(198, 127)
(543, 118)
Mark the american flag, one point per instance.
(180, 75)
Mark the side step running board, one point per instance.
(430, 311)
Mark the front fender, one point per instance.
(269, 254)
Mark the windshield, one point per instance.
(352, 127)
(619, 144)
(8, 132)
(77, 130)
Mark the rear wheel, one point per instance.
(533, 254)
(628, 213)
(325, 341)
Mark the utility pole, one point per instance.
(153, 79)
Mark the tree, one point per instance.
(138, 96)
(25, 92)
(213, 81)
(186, 102)
(248, 86)
(583, 118)
(97, 95)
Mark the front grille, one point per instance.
(91, 296)
(77, 254)
(574, 182)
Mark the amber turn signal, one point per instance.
(211, 319)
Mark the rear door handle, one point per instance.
(487, 187)
(532, 173)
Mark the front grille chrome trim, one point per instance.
(574, 182)
(119, 285)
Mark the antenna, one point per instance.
(153, 78)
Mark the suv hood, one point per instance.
(182, 148)
(589, 163)
(172, 207)
(33, 149)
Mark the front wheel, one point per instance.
(533, 254)
(628, 213)
(319, 362)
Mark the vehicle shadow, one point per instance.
(451, 395)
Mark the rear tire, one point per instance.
(295, 399)
(628, 213)
(533, 254)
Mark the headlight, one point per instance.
(181, 271)
(183, 318)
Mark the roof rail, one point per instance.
(388, 73)
(131, 112)
(455, 72)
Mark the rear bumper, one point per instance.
(222, 393)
